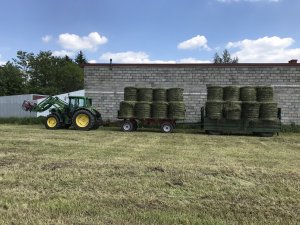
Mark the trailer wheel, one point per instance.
(127, 126)
(166, 127)
(83, 120)
(52, 122)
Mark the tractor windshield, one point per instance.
(77, 102)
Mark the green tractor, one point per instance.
(78, 113)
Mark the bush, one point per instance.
(23, 121)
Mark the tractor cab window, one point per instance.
(81, 102)
(76, 102)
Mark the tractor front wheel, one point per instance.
(83, 120)
(52, 122)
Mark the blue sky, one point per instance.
(152, 31)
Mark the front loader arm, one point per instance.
(44, 105)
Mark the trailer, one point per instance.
(131, 124)
(257, 127)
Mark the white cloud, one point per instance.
(194, 43)
(142, 57)
(229, 1)
(75, 42)
(47, 38)
(93, 61)
(63, 53)
(130, 57)
(265, 50)
(193, 60)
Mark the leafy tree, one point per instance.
(48, 74)
(80, 58)
(11, 80)
(225, 58)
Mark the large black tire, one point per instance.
(127, 126)
(52, 122)
(83, 120)
(166, 127)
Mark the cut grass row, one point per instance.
(110, 177)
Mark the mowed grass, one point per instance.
(110, 177)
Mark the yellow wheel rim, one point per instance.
(51, 122)
(82, 120)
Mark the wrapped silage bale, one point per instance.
(214, 93)
(248, 94)
(159, 110)
(250, 110)
(232, 110)
(268, 111)
(159, 95)
(145, 94)
(142, 110)
(126, 109)
(231, 93)
(176, 110)
(264, 93)
(175, 94)
(130, 94)
(214, 109)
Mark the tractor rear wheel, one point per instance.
(83, 120)
(52, 122)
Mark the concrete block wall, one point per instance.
(105, 83)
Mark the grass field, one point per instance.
(110, 177)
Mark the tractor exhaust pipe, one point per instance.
(28, 106)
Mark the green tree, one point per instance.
(11, 80)
(225, 58)
(48, 74)
(80, 58)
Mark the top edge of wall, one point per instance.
(192, 65)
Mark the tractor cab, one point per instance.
(76, 102)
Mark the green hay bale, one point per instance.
(264, 94)
(142, 110)
(250, 110)
(130, 94)
(232, 110)
(176, 110)
(214, 93)
(175, 94)
(214, 109)
(159, 95)
(126, 109)
(145, 94)
(231, 93)
(159, 110)
(248, 94)
(268, 111)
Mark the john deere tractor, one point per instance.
(78, 113)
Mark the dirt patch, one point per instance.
(55, 165)
(7, 161)
(156, 169)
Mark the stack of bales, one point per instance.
(214, 104)
(232, 106)
(234, 103)
(176, 108)
(145, 103)
(268, 108)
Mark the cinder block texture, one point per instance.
(105, 83)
